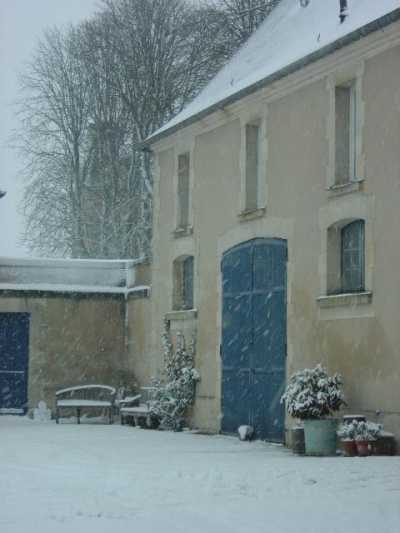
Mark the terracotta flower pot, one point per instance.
(349, 448)
(362, 448)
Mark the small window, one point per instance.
(183, 190)
(345, 133)
(183, 283)
(187, 283)
(352, 257)
(252, 166)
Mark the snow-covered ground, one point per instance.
(99, 478)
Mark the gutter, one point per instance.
(375, 25)
(45, 290)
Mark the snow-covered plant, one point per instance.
(360, 430)
(312, 393)
(175, 391)
(346, 431)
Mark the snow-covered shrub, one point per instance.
(346, 431)
(359, 431)
(312, 393)
(175, 391)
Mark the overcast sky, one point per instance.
(21, 24)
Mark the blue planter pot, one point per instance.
(320, 436)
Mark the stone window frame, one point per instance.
(180, 300)
(352, 77)
(258, 119)
(355, 230)
(350, 118)
(183, 148)
(183, 190)
(335, 255)
(332, 218)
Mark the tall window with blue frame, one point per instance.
(353, 257)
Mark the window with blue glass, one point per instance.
(352, 257)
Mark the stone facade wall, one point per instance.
(74, 339)
(358, 337)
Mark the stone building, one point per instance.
(276, 225)
(66, 323)
(276, 235)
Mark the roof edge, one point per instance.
(351, 37)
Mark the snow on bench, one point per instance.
(140, 413)
(129, 400)
(82, 403)
(143, 410)
(87, 397)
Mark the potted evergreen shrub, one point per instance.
(346, 434)
(364, 434)
(357, 435)
(313, 396)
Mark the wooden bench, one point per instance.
(139, 413)
(86, 397)
(126, 405)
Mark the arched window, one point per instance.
(183, 282)
(352, 257)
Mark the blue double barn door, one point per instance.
(14, 353)
(254, 337)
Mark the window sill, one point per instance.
(183, 232)
(345, 188)
(345, 300)
(252, 214)
(185, 314)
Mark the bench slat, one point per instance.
(141, 410)
(77, 402)
(78, 388)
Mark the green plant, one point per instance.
(312, 393)
(346, 431)
(359, 431)
(175, 391)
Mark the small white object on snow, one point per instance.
(42, 413)
(246, 432)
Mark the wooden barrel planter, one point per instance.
(297, 441)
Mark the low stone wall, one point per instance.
(74, 339)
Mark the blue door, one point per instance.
(254, 337)
(14, 352)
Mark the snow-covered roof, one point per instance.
(70, 263)
(89, 276)
(290, 37)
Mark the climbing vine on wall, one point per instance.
(174, 391)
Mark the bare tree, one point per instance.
(93, 93)
(54, 118)
(164, 55)
(111, 195)
(237, 20)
